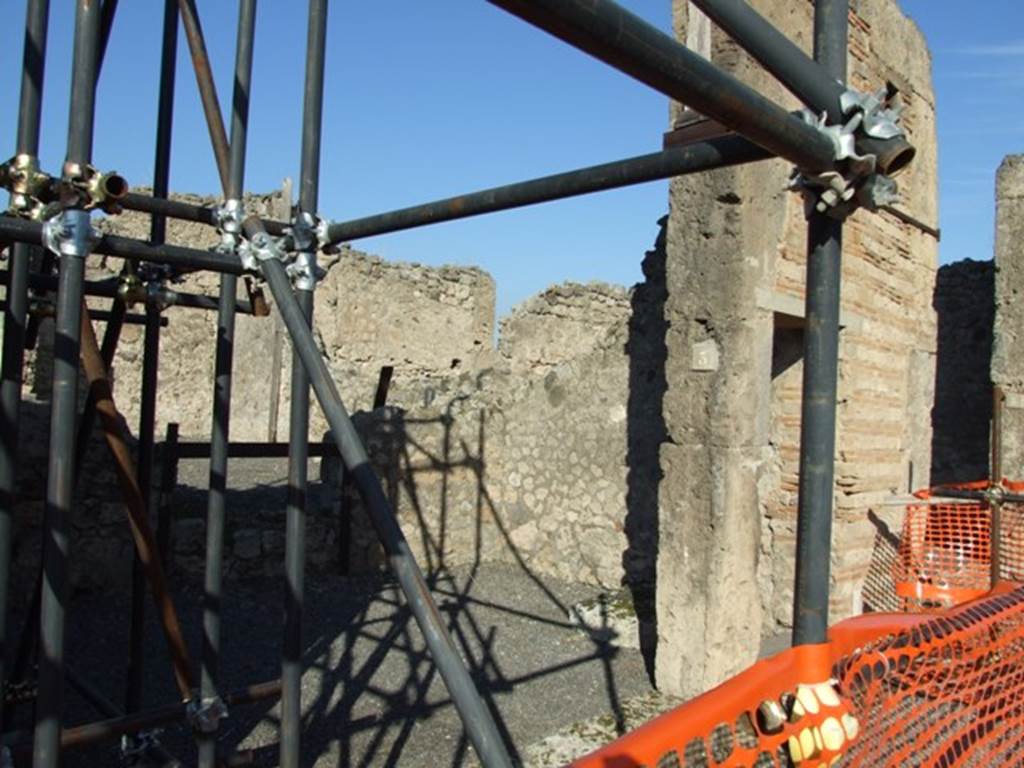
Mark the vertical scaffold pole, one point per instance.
(222, 391)
(820, 376)
(16, 311)
(75, 242)
(298, 428)
(151, 347)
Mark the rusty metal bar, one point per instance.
(135, 506)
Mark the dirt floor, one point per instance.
(371, 695)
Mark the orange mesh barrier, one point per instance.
(887, 690)
(945, 550)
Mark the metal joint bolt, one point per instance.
(836, 193)
(205, 714)
(135, 748)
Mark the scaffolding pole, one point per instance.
(820, 375)
(16, 314)
(622, 40)
(60, 469)
(298, 423)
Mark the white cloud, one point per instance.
(1015, 48)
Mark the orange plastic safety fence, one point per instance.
(887, 690)
(945, 550)
(947, 693)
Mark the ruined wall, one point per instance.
(525, 462)
(425, 322)
(520, 451)
(1008, 348)
(727, 504)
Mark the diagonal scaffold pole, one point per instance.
(622, 40)
(298, 422)
(74, 235)
(476, 717)
(816, 493)
(16, 312)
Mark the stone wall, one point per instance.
(727, 502)
(1008, 348)
(524, 450)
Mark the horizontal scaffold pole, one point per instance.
(24, 231)
(674, 161)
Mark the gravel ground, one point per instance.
(371, 696)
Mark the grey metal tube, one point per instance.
(12, 358)
(820, 376)
(298, 429)
(151, 352)
(476, 717)
(295, 553)
(147, 427)
(806, 78)
(106, 25)
(60, 469)
(674, 161)
(215, 507)
(207, 742)
(25, 231)
(612, 34)
(177, 209)
(59, 493)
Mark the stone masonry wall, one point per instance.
(516, 452)
(1008, 348)
(727, 503)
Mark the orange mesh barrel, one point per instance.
(945, 554)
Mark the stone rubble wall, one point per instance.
(514, 452)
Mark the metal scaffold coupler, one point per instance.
(83, 186)
(70, 234)
(204, 714)
(857, 182)
(27, 184)
(228, 217)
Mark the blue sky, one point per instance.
(426, 100)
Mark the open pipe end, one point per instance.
(114, 186)
(894, 155)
